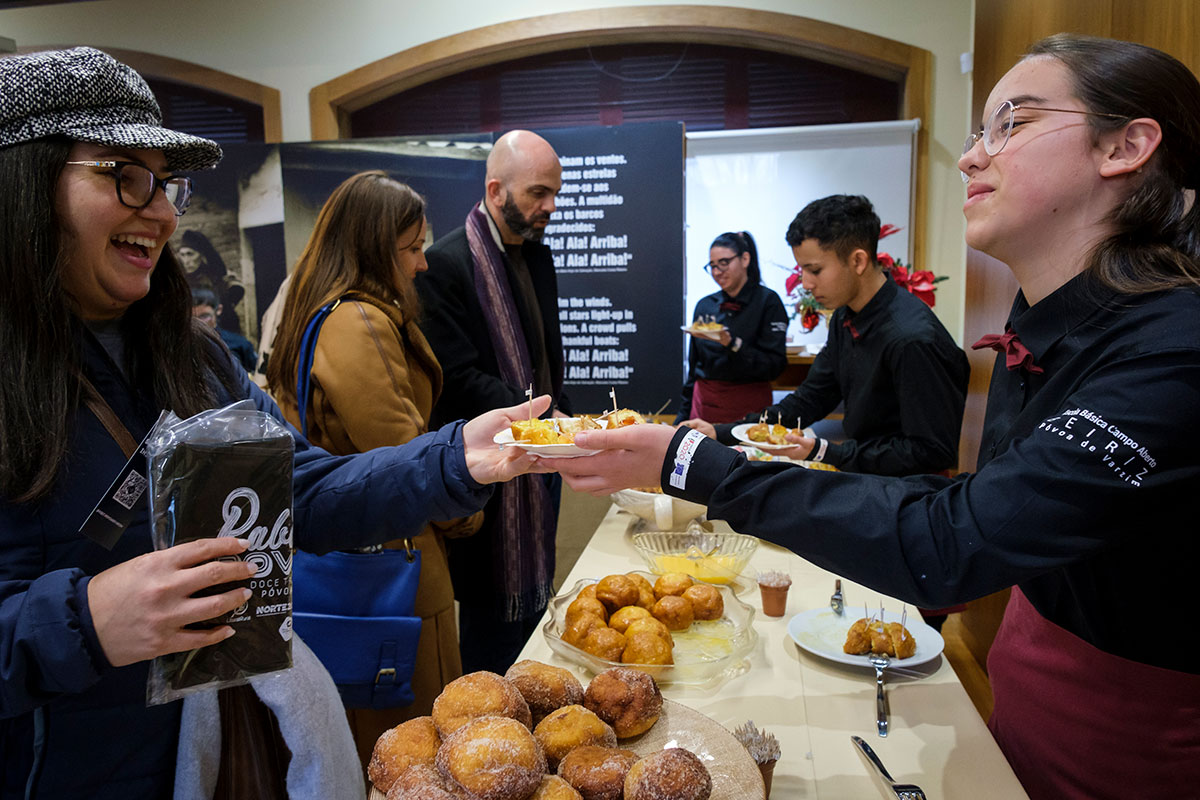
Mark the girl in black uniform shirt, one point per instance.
(730, 376)
(1083, 180)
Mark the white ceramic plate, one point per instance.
(740, 433)
(822, 633)
(505, 439)
(715, 335)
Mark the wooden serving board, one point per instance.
(735, 776)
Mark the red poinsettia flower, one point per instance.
(899, 274)
(793, 280)
(809, 320)
(885, 260)
(921, 283)
(888, 230)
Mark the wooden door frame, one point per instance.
(332, 102)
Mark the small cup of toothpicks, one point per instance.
(763, 748)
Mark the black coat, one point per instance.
(453, 322)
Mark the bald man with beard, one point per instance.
(490, 301)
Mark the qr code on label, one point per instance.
(130, 490)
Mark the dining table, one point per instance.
(812, 704)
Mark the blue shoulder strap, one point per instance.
(308, 346)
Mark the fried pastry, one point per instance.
(674, 612)
(597, 773)
(493, 758)
(627, 699)
(544, 687)
(413, 742)
(706, 601)
(672, 774)
(569, 727)
(475, 695)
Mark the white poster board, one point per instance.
(757, 181)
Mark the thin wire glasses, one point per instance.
(136, 184)
(999, 126)
(720, 265)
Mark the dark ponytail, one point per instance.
(741, 242)
(1155, 243)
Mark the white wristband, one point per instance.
(683, 457)
(821, 445)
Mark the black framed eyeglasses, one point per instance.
(137, 184)
(720, 265)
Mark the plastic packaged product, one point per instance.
(227, 472)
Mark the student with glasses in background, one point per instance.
(739, 337)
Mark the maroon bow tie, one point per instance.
(1016, 355)
(849, 324)
(732, 306)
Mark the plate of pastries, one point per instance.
(705, 328)
(537, 733)
(671, 626)
(765, 435)
(852, 638)
(555, 436)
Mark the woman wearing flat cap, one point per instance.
(98, 338)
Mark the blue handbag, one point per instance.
(355, 609)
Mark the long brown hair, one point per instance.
(353, 247)
(1156, 240)
(41, 334)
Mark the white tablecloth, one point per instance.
(812, 706)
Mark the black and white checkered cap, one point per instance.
(89, 96)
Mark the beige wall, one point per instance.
(293, 45)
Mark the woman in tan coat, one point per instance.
(374, 382)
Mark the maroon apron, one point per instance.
(1076, 722)
(722, 401)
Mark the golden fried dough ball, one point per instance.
(423, 782)
(673, 583)
(646, 598)
(646, 648)
(675, 612)
(674, 774)
(597, 773)
(588, 591)
(578, 628)
(413, 742)
(706, 601)
(627, 699)
(544, 687)
(616, 591)
(586, 605)
(640, 580)
(649, 625)
(570, 727)
(621, 618)
(903, 643)
(555, 788)
(493, 758)
(604, 643)
(478, 694)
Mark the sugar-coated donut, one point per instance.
(674, 774)
(544, 687)
(493, 758)
(646, 648)
(706, 601)
(597, 773)
(626, 698)
(621, 618)
(604, 643)
(478, 694)
(413, 742)
(673, 583)
(423, 782)
(570, 727)
(675, 612)
(616, 591)
(553, 787)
